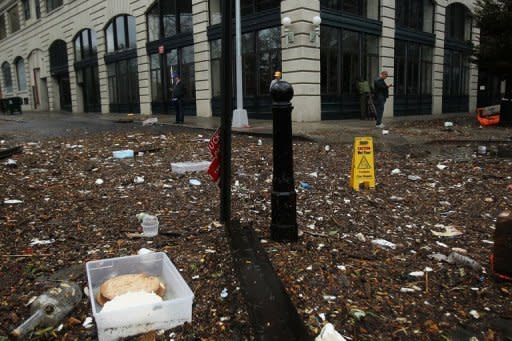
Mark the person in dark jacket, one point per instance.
(178, 92)
(381, 94)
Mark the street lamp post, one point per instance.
(284, 198)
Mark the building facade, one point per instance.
(118, 56)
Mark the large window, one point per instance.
(458, 22)
(247, 7)
(52, 4)
(6, 74)
(346, 57)
(456, 73)
(261, 57)
(416, 15)
(413, 69)
(122, 73)
(3, 29)
(120, 34)
(363, 8)
(85, 45)
(20, 74)
(26, 8)
(14, 19)
(175, 17)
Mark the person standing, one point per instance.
(277, 77)
(381, 94)
(178, 92)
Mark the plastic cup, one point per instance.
(149, 226)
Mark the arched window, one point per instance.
(20, 74)
(6, 73)
(417, 15)
(363, 8)
(121, 34)
(122, 73)
(458, 22)
(176, 16)
(85, 45)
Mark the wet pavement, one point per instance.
(402, 134)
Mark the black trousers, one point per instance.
(178, 106)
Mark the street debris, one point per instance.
(123, 154)
(384, 243)
(194, 182)
(58, 199)
(449, 231)
(150, 121)
(328, 333)
(12, 201)
(190, 166)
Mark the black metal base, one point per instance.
(284, 217)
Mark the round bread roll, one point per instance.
(129, 283)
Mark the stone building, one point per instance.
(118, 55)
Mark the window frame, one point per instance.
(156, 10)
(23, 79)
(7, 77)
(113, 24)
(26, 9)
(341, 6)
(12, 15)
(52, 5)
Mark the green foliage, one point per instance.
(494, 17)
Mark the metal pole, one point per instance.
(239, 95)
(283, 198)
(227, 111)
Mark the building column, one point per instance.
(202, 58)
(102, 69)
(473, 72)
(301, 59)
(387, 50)
(143, 64)
(438, 59)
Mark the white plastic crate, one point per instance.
(190, 166)
(175, 309)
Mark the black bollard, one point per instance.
(284, 199)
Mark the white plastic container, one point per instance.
(190, 166)
(175, 309)
(149, 225)
(122, 154)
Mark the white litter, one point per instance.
(87, 322)
(224, 293)
(328, 333)
(360, 237)
(131, 299)
(384, 243)
(150, 121)
(99, 182)
(441, 167)
(190, 166)
(396, 171)
(385, 132)
(475, 314)
(449, 231)
(417, 274)
(144, 251)
(314, 174)
(36, 241)
(327, 148)
(194, 182)
(414, 177)
(12, 201)
(138, 180)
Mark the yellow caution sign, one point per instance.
(363, 169)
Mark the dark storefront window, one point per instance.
(413, 78)
(6, 74)
(261, 57)
(345, 58)
(52, 4)
(247, 7)
(86, 66)
(59, 70)
(14, 19)
(417, 15)
(363, 8)
(3, 30)
(458, 22)
(26, 9)
(176, 18)
(121, 58)
(457, 54)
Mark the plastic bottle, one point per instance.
(457, 258)
(51, 307)
(150, 225)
